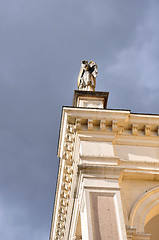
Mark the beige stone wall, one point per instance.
(109, 175)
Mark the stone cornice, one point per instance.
(93, 170)
(123, 126)
(141, 174)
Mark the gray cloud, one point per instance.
(41, 46)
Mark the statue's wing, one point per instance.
(94, 72)
(93, 68)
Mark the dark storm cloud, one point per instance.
(41, 46)
(134, 72)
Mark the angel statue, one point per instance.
(87, 76)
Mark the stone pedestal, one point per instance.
(90, 99)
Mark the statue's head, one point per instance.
(84, 62)
(85, 65)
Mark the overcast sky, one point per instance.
(42, 43)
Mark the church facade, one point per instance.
(108, 180)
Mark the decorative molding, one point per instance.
(102, 125)
(134, 129)
(78, 123)
(58, 226)
(100, 159)
(123, 123)
(133, 235)
(109, 172)
(90, 124)
(147, 130)
(114, 125)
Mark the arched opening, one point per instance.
(145, 209)
(152, 226)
